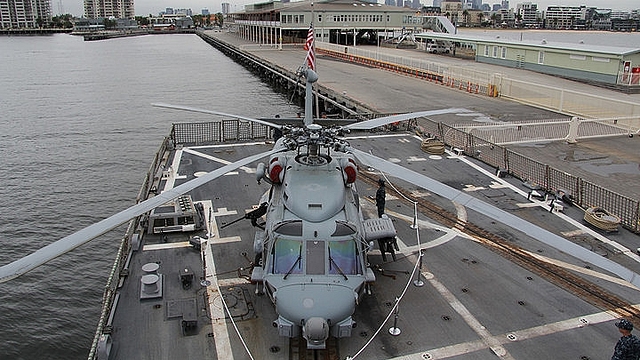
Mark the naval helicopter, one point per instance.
(312, 247)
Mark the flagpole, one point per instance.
(316, 62)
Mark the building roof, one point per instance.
(326, 5)
(576, 47)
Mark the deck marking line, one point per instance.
(527, 205)
(218, 321)
(583, 270)
(166, 246)
(524, 334)
(224, 240)
(486, 337)
(246, 169)
(172, 171)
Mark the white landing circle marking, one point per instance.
(307, 303)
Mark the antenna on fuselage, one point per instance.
(311, 77)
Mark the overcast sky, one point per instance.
(146, 7)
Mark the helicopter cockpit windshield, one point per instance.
(341, 257)
(287, 257)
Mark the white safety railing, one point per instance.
(570, 130)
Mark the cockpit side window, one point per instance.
(344, 228)
(290, 227)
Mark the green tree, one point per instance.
(141, 20)
(109, 24)
(197, 20)
(61, 21)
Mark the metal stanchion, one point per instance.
(415, 216)
(395, 331)
(418, 281)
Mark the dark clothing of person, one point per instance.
(627, 348)
(388, 245)
(380, 196)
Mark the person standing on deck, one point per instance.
(628, 347)
(380, 197)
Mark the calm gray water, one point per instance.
(77, 136)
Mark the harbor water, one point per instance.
(78, 135)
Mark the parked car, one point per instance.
(436, 48)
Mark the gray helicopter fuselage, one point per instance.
(314, 263)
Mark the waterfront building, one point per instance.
(619, 14)
(431, 11)
(340, 22)
(527, 13)
(601, 64)
(226, 8)
(119, 9)
(187, 12)
(21, 14)
(175, 20)
(566, 17)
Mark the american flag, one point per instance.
(311, 51)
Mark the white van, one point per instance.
(436, 48)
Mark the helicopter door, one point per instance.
(315, 257)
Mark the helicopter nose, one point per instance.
(331, 303)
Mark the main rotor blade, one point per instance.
(502, 216)
(68, 243)
(373, 123)
(204, 111)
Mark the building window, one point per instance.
(577, 57)
(504, 52)
(600, 59)
(540, 57)
(486, 50)
(495, 51)
(319, 17)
